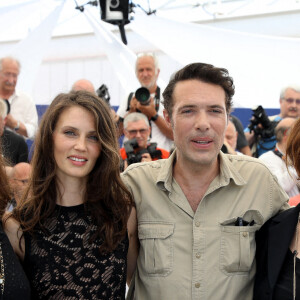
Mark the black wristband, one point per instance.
(154, 118)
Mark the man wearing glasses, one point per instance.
(289, 107)
(137, 129)
(290, 102)
(22, 117)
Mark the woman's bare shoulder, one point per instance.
(14, 233)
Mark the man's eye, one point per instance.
(186, 111)
(217, 111)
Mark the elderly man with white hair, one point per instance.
(23, 117)
(147, 72)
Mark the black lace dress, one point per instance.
(62, 264)
(16, 285)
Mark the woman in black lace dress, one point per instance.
(73, 220)
(13, 281)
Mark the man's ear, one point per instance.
(167, 118)
(4, 120)
(125, 133)
(280, 101)
(158, 70)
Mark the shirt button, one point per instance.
(245, 234)
(197, 224)
(197, 285)
(198, 255)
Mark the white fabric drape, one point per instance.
(10, 15)
(259, 65)
(30, 51)
(122, 59)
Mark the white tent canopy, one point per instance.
(260, 64)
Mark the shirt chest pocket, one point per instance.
(156, 248)
(237, 249)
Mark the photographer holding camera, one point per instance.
(137, 148)
(147, 72)
(261, 130)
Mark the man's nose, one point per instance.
(202, 121)
(138, 133)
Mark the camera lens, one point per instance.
(143, 96)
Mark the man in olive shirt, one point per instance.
(198, 211)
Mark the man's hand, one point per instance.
(11, 122)
(146, 157)
(133, 105)
(148, 110)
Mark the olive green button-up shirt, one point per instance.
(201, 255)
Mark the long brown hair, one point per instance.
(293, 147)
(106, 197)
(4, 186)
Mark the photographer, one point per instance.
(260, 133)
(137, 131)
(275, 159)
(147, 72)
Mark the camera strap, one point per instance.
(278, 153)
(157, 98)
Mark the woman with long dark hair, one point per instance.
(70, 230)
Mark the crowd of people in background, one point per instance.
(169, 188)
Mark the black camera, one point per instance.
(143, 96)
(133, 157)
(103, 93)
(267, 129)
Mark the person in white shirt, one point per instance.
(275, 160)
(22, 117)
(147, 72)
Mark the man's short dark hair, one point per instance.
(202, 72)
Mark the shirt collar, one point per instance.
(227, 172)
(14, 95)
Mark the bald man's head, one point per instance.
(83, 85)
(282, 131)
(19, 177)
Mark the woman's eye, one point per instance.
(94, 138)
(69, 133)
